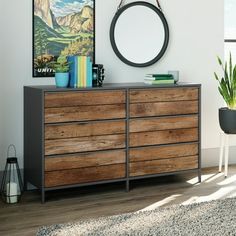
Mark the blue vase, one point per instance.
(62, 80)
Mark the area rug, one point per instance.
(209, 218)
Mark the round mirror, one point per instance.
(139, 34)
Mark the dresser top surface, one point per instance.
(115, 86)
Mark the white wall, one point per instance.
(1, 87)
(196, 37)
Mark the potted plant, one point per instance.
(227, 89)
(61, 67)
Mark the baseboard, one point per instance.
(210, 156)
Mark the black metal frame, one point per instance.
(34, 147)
(94, 42)
(112, 33)
(199, 134)
(127, 139)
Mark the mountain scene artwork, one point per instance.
(61, 28)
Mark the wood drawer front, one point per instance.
(69, 99)
(74, 130)
(163, 123)
(163, 108)
(161, 95)
(82, 160)
(163, 166)
(163, 152)
(163, 137)
(84, 175)
(84, 144)
(83, 113)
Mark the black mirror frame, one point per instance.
(112, 32)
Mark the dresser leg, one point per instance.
(127, 185)
(25, 182)
(42, 196)
(199, 176)
(25, 185)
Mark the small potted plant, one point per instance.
(227, 89)
(61, 67)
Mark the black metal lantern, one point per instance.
(12, 186)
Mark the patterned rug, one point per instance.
(208, 218)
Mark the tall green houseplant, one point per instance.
(227, 84)
(227, 89)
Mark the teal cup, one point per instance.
(62, 80)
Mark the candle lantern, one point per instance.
(12, 186)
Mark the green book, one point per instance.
(163, 77)
(159, 75)
(159, 82)
(158, 78)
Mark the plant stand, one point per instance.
(224, 151)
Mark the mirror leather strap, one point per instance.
(159, 5)
(122, 1)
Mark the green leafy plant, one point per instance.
(227, 84)
(61, 65)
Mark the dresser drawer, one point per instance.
(163, 123)
(163, 166)
(84, 144)
(82, 129)
(163, 152)
(163, 137)
(81, 160)
(163, 95)
(163, 108)
(84, 113)
(84, 175)
(77, 98)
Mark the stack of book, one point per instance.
(159, 79)
(80, 71)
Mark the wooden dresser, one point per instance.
(120, 132)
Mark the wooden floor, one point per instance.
(83, 203)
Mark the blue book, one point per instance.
(72, 71)
(89, 72)
(76, 71)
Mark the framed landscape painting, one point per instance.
(61, 27)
